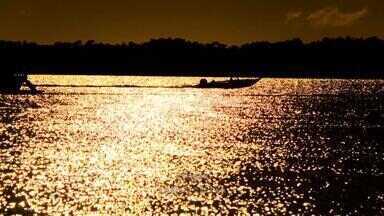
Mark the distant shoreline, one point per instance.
(333, 58)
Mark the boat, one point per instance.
(227, 84)
(11, 82)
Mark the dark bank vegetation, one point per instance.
(329, 57)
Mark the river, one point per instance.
(145, 145)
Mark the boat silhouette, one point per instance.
(227, 84)
(12, 82)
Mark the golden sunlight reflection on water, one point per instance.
(81, 150)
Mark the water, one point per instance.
(284, 146)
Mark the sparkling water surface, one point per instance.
(283, 146)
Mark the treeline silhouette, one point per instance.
(329, 57)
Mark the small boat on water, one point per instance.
(12, 83)
(228, 84)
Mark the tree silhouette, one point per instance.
(331, 57)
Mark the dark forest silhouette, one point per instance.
(329, 57)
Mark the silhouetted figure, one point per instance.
(203, 83)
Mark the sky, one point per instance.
(226, 21)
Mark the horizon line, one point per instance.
(84, 42)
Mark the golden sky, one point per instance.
(228, 21)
